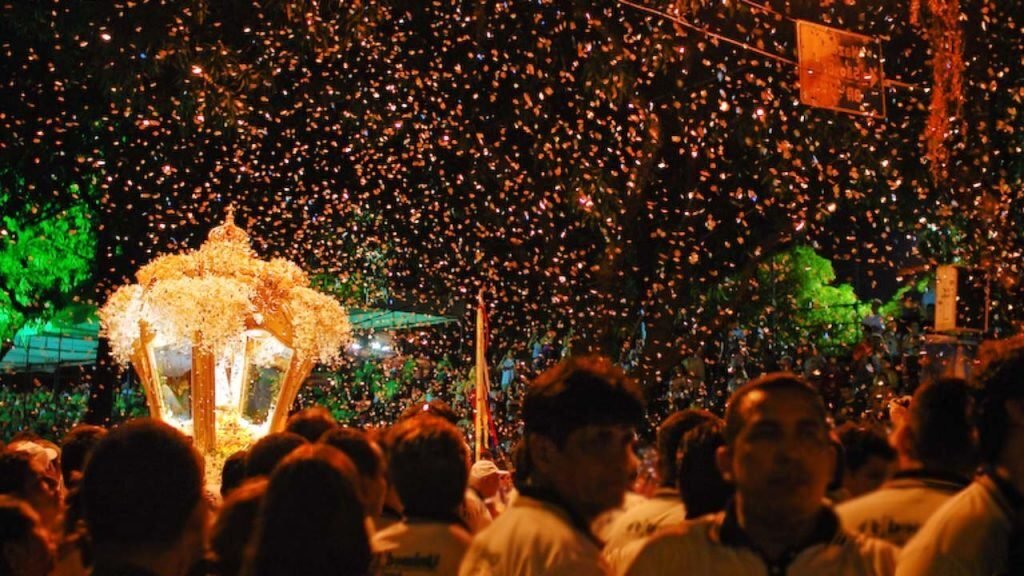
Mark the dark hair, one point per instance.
(428, 466)
(356, 444)
(670, 434)
(233, 473)
(141, 485)
(1001, 379)
(269, 450)
(577, 392)
(771, 382)
(234, 526)
(941, 421)
(435, 407)
(76, 447)
(311, 423)
(311, 520)
(861, 442)
(701, 485)
(15, 472)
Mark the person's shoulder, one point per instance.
(870, 547)
(669, 550)
(528, 541)
(969, 529)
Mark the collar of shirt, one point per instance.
(1008, 497)
(551, 498)
(666, 493)
(730, 533)
(924, 477)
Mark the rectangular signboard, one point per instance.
(840, 70)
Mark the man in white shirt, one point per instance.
(575, 461)
(977, 531)
(429, 469)
(779, 457)
(936, 453)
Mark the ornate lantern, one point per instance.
(221, 340)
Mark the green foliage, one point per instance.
(792, 297)
(129, 402)
(340, 390)
(43, 262)
(43, 410)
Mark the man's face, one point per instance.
(594, 467)
(781, 459)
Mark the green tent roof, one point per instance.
(44, 347)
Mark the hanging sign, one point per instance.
(840, 70)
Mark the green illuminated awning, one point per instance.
(393, 320)
(44, 347)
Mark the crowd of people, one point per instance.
(768, 487)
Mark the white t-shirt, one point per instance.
(969, 534)
(711, 545)
(897, 510)
(601, 525)
(474, 512)
(533, 538)
(420, 547)
(661, 510)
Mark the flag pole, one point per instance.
(480, 418)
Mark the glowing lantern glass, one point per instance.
(221, 340)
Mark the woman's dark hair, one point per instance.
(861, 442)
(233, 529)
(358, 446)
(311, 520)
(701, 485)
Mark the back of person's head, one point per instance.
(768, 384)
(269, 450)
(311, 520)
(45, 453)
(311, 423)
(23, 476)
(861, 442)
(142, 487)
(577, 392)
(670, 433)
(233, 473)
(435, 407)
(1001, 380)
(234, 526)
(357, 445)
(428, 466)
(701, 485)
(16, 473)
(369, 462)
(75, 448)
(869, 457)
(24, 544)
(940, 425)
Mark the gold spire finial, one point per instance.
(228, 231)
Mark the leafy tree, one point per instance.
(44, 264)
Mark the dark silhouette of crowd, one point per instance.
(769, 486)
